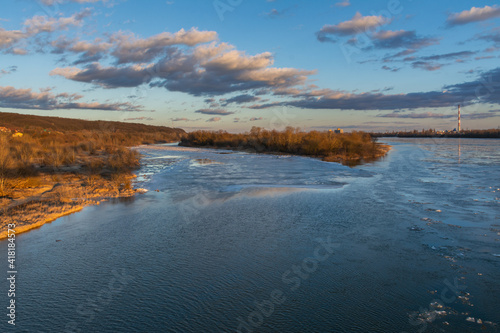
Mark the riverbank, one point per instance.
(51, 166)
(48, 197)
(347, 148)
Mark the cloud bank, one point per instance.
(11, 97)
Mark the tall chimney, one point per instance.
(459, 126)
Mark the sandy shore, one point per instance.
(54, 196)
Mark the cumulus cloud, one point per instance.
(214, 119)
(215, 112)
(107, 77)
(358, 24)
(474, 14)
(38, 24)
(127, 48)
(11, 97)
(130, 48)
(32, 27)
(89, 51)
(10, 37)
(212, 69)
(237, 61)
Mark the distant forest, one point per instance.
(430, 133)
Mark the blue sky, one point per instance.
(233, 64)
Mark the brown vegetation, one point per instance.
(348, 148)
(49, 172)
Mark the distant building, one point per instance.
(339, 131)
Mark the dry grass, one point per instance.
(46, 174)
(344, 148)
(58, 195)
(88, 153)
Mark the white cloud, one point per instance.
(10, 37)
(38, 24)
(474, 14)
(211, 69)
(357, 25)
(129, 48)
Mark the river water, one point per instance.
(234, 242)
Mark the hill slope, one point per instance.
(22, 122)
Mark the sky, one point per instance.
(377, 65)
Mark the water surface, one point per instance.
(228, 240)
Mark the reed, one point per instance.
(329, 146)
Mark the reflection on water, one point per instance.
(265, 243)
(459, 151)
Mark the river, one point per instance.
(226, 241)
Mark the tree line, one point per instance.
(338, 147)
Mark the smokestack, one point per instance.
(459, 126)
